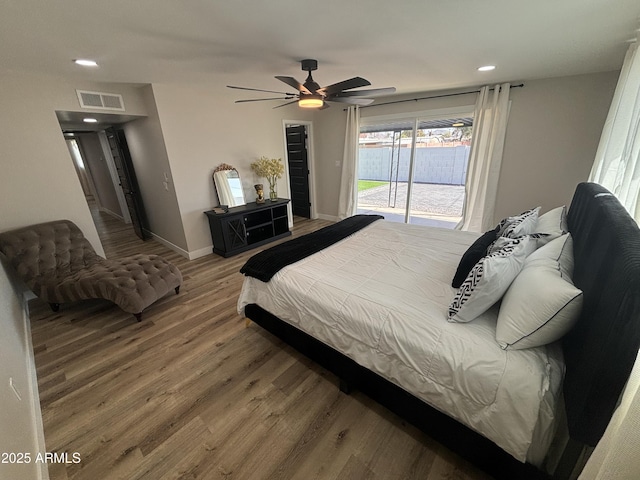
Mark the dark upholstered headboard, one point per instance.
(601, 349)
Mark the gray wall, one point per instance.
(38, 184)
(329, 147)
(203, 128)
(443, 165)
(552, 135)
(553, 132)
(20, 420)
(551, 139)
(151, 162)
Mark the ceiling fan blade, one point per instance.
(285, 104)
(263, 99)
(258, 90)
(292, 82)
(351, 100)
(374, 92)
(354, 82)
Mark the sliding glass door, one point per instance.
(383, 171)
(413, 170)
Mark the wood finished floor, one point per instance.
(190, 392)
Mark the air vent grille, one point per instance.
(100, 100)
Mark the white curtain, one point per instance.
(485, 158)
(616, 455)
(617, 167)
(348, 200)
(617, 163)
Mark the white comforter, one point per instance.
(380, 297)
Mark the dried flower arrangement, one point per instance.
(272, 169)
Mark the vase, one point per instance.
(273, 194)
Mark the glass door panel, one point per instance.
(383, 172)
(440, 170)
(430, 171)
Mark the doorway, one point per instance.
(299, 168)
(94, 167)
(93, 161)
(127, 181)
(105, 171)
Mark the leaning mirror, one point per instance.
(228, 185)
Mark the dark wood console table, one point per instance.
(248, 226)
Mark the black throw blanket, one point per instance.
(267, 263)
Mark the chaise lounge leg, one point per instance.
(138, 316)
(55, 306)
(178, 289)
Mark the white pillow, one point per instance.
(542, 304)
(519, 225)
(489, 279)
(560, 250)
(553, 223)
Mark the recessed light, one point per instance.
(90, 120)
(85, 62)
(487, 68)
(459, 124)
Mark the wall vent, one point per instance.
(100, 100)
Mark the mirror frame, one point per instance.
(223, 190)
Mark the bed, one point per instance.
(371, 308)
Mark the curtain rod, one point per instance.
(432, 96)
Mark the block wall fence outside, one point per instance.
(442, 165)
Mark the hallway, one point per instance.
(118, 238)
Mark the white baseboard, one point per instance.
(201, 253)
(187, 254)
(113, 214)
(170, 245)
(330, 218)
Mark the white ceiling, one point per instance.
(414, 45)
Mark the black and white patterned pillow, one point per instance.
(500, 242)
(519, 225)
(474, 253)
(489, 279)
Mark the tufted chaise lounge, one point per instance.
(59, 265)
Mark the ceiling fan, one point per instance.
(311, 95)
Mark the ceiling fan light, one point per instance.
(85, 62)
(311, 101)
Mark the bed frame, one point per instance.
(599, 352)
